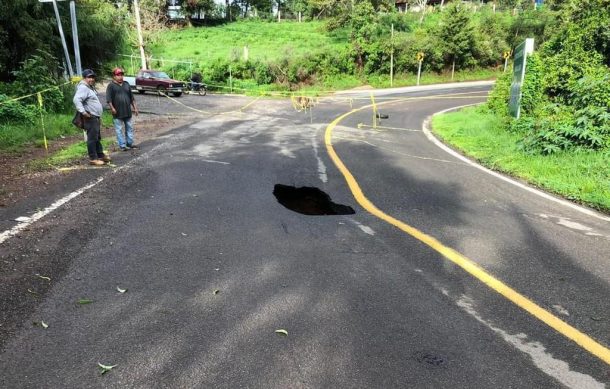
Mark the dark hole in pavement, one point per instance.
(430, 359)
(309, 201)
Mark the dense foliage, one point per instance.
(566, 93)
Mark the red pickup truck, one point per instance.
(157, 81)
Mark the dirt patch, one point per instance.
(18, 179)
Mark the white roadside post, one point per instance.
(506, 56)
(420, 59)
(519, 63)
(392, 57)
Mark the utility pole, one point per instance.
(61, 34)
(139, 28)
(79, 68)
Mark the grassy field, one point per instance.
(265, 41)
(580, 176)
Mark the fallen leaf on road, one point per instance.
(216, 291)
(43, 277)
(44, 325)
(85, 301)
(281, 332)
(121, 290)
(183, 234)
(106, 368)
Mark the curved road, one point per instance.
(414, 289)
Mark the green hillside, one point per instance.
(266, 41)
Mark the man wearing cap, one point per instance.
(86, 102)
(121, 102)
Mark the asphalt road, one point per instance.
(213, 264)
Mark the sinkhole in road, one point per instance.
(309, 201)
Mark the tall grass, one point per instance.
(15, 136)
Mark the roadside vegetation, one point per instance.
(583, 177)
(561, 141)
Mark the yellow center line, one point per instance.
(465, 263)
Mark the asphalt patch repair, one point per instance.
(309, 201)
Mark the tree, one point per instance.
(190, 7)
(363, 22)
(421, 4)
(457, 35)
(28, 28)
(297, 7)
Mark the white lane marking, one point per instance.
(213, 161)
(566, 222)
(40, 214)
(561, 310)
(321, 166)
(573, 225)
(556, 368)
(540, 193)
(365, 229)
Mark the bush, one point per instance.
(262, 73)
(35, 75)
(499, 95)
(16, 112)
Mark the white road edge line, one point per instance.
(433, 139)
(40, 214)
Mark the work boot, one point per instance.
(106, 158)
(96, 162)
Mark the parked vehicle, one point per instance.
(157, 81)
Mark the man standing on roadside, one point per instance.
(87, 103)
(121, 102)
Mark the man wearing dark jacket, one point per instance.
(121, 101)
(87, 103)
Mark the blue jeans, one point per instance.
(118, 127)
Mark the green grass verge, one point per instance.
(583, 177)
(68, 155)
(14, 137)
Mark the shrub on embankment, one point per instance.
(566, 92)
